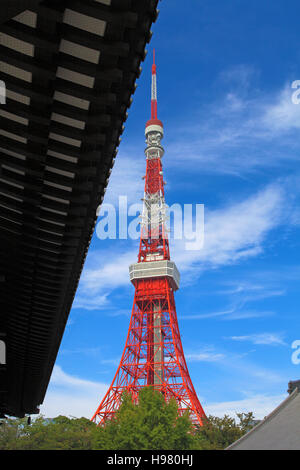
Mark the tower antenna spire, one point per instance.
(153, 90)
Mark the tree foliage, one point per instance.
(59, 433)
(219, 433)
(152, 424)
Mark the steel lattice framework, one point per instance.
(153, 353)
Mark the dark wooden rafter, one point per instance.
(70, 69)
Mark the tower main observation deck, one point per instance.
(153, 354)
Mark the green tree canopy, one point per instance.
(152, 424)
(219, 433)
(59, 433)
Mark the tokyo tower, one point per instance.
(153, 354)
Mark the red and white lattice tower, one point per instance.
(153, 354)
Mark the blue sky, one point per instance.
(225, 71)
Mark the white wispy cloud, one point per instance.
(236, 232)
(261, 405)
(126, 177)
(248, 290)
(272, 339)
(243, 131)
(205, 355)
(238, 77)
(240, 369)
(241, 293)
(87, 351)
(109, 268)
(233, 313)
(113, 362)
(104, 271)
(70, 395)
(73, 396)
(90, 302)
(282, 115)
(255, 375)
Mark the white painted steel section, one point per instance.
(153, 89)
(158, 357)
(153, 269)
(154, 128)
(154, 211)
